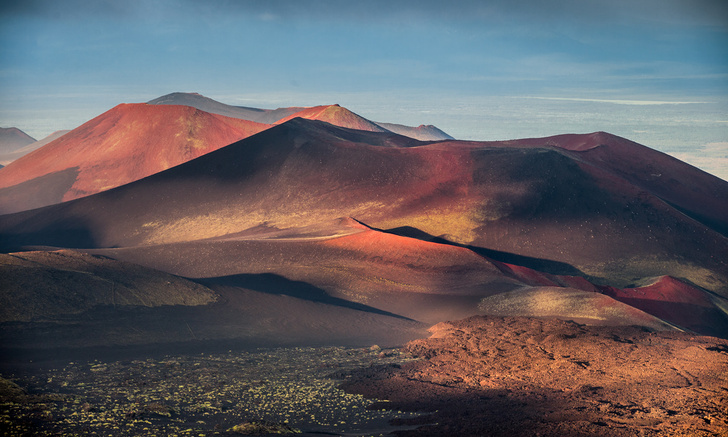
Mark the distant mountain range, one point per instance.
(12, 139)
(333, 114)
(351, 232)
(152, 137)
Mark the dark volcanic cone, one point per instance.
(40, 286)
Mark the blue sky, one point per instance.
(477, 69)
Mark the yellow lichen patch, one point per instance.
(232, 220)
(200, 226)
(458, 226)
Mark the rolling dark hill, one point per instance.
(272, 203)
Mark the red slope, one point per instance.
(126, 143)
(336, 115)
(676, 302)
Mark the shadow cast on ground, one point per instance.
(542, 265)
(271, 283)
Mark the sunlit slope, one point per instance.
(122, 145)
(570, 304)
(337, 116)
(568, 215)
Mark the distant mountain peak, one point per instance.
(336, 115)
(423, 132)
(212, 106)
(12, 138)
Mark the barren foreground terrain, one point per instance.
(518, 376)
(485, 376)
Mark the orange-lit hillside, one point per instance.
(124, 144)
(335, 115)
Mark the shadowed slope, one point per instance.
(124, 144)
(422, 280)
(698, 194)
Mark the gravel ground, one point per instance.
(287, 390)
(519, 376)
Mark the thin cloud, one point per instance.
(618, 101)
(711, 157)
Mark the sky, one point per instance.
(654, 71)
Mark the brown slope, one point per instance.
(337, 116)
(40, 286)
(7, 158)
(534, 202)
(570, 304)
(12, 139)
(126, 143)
(416, 279)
